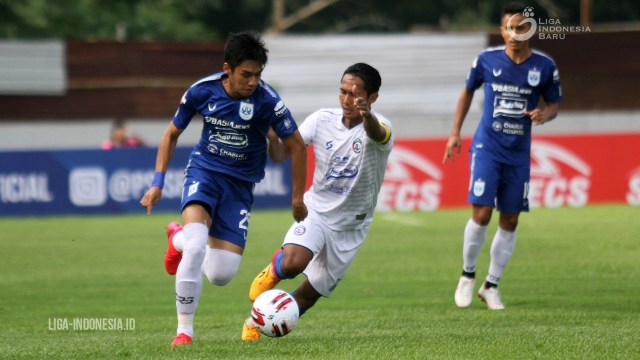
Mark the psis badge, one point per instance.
(246, 110)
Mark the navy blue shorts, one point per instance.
(503, 186)
(228, 199)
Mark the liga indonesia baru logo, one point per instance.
(548, 29)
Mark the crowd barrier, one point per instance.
(102, 182)
(566, 170)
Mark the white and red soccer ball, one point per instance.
(275, 312)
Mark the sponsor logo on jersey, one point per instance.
(225, 123)
(533, 78)
(558, 176)
(510, 107)
(347, 172)
(280, 108)
(246, 110)
(287, 123)
(212, 108)
(497, 72)
(232, 139)
(510, 89)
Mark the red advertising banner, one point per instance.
(566, 170)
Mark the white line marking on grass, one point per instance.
(403, 218)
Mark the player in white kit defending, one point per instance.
(351, 146)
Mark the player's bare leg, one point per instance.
(306, 296)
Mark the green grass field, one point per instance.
(572, 291)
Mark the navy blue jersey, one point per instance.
(510, 89)
(234, 133)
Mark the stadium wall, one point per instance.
(422, 76)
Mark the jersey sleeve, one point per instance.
(387, 124)
(475, 77)
(187, 108)
(552, 92)
(280, 118)
(308, 128)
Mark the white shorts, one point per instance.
(333, 251)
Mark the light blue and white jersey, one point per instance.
(349, 169)
(510, 89)
(234, 133)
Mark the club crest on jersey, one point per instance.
(246, 111)
(478, 187)
(534, 77)
(300, 230)
(357, 146)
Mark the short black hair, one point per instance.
(513, 8)
(243, 46)
(369, 75)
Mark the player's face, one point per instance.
(514, 21)
(346, 96)
(244, 79)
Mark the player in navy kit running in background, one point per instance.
(514, 78)
(239, 111)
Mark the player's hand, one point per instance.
(299, 210)
(150, 198)
(453, 148)
(537, 116)
(359, 102)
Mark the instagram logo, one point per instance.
(88, 186)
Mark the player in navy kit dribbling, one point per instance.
(239, 111)
(514, 78)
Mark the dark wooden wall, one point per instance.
(112, 79)
(599, 71)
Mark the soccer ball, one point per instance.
(275, 312)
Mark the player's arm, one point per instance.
(298, 151)
(166, 148)
(278, 151)
(541, 116)
(462, 108)
(376, 130)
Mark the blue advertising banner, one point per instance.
(103, 182)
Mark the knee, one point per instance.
(219, 278)
(482, 215)
(294, 263)
(220, 266)
(509, 222)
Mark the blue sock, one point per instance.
(277, 264)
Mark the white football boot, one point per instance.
(491, 296)
(464, 291)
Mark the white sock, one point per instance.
(185, 324)
(188, 276)
(220, 266)
(501, 250)
(178, 240)
(474, 237)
